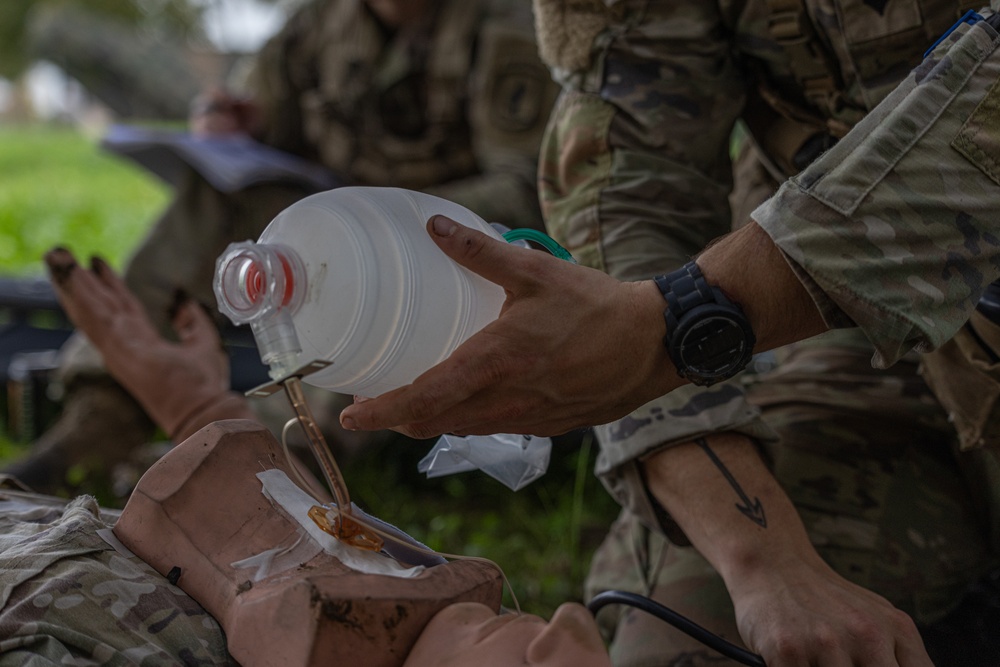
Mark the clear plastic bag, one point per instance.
(513, 460)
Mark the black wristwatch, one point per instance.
(709, 338)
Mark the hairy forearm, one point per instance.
(752, 271)
(717, 488)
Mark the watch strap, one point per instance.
(683, 290)
(686, 290)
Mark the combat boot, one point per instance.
(100, 425)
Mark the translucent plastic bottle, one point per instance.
(351, 276)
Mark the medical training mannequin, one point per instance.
(466, 633)
(199, 511)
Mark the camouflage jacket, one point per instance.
(453, 104)
(635, 167)
(71, 594)
(894, 229)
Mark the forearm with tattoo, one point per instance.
(751, 509)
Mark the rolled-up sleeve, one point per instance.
(897, 228)
(634, 177)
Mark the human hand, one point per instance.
(801, 612)
(571, 347)
(171, 380)
(217, 112)
(791, 607)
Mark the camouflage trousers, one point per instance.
(871, 462)
(70, 596)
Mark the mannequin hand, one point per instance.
(171, 380)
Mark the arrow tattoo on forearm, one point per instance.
(752, 510)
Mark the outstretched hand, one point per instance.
(572, 347)
(171, 380)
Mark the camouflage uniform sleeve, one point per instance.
(634, 177)
(67, 596)
(284, 67)
(895, 228)
(510, 96)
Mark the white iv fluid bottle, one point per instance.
(351, 276)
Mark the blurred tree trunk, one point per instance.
(135, 74)
(19, 107)
(142, 58)
(181, 18)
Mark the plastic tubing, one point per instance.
(320, 450)
(542, 239)
(682, 623)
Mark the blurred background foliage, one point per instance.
(176, 18)
(140, 58)
(58, 188)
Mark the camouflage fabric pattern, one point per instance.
(635, 170)
(634, 188)
(895, 229)
(662, 89)
(68, 597)
(687, 413)
(635, 167)
(454, 104)
(874, 470)
(965, 376)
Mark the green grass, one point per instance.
(58, 188)
(541, 536)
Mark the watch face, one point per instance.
(708, 338)
(715, 345)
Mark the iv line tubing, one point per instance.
(542, 239)
(293, 388)
(682, 623)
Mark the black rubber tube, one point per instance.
(682, 623)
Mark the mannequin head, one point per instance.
(468, 633)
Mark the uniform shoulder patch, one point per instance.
(518, 96)
(516, 91)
